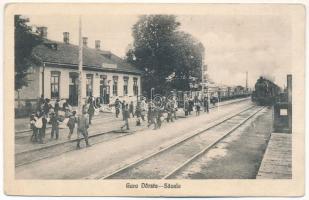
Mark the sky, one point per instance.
(258, 44)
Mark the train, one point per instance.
(265, 92)
(215, 94)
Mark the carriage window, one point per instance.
(55, 84)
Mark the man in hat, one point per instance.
(91, 110)
(82, 126)
(43, 129)
(46, 107)
(55, 125)
(57, 106)
(152, 115)
(123, 107)
(71, 123)
(138, 111)
(126, 117)
(33, 120)
(159, 114)
(206, 105)
(174, 107)
(143, 108)
(117, 107)
(39, 126)
(131, 109)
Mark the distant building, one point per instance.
(105, 75)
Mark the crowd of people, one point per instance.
(40, 118)
(151, 112)
(157, 111)
(61, 113)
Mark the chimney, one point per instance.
(85, 41)
(97, 44)
(42, 30)
(66, 37)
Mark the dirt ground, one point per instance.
(106, 157)
(238, 156)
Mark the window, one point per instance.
(115, 85)
(73, 78)
(125, 85)
(103, 80)
(54, 84)
(89, 84)
(135, 87)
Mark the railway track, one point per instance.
(37, 154)
(58, 148)
(165, 163)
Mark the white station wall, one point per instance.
(64, 83)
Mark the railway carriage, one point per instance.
(219, 94)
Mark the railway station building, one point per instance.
(105, 75)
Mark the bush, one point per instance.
(25, 110)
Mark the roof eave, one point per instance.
(95, 68)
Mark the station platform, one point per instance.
(103, 123)
(22, 124)
(107, 153)
(277, 160)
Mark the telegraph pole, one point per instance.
(204, 71)
(247, 81)
(203, 78)
(80, 68)
(289, 91)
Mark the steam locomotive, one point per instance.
(265, 92)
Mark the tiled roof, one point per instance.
(68, 54)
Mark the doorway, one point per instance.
(104, 90)
(73, 89)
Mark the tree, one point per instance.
(25, 41)
(169, 58)
(188, 61)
